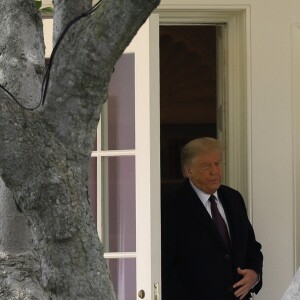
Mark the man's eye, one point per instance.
(205, 166)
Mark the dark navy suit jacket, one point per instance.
(196, 265)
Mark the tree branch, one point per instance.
(84, 63)
(65, 12)
(21, 50)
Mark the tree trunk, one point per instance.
(44, 152)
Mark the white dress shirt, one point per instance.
(204, 199)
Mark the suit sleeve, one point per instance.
(255, 259)
(254, 256)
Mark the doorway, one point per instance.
(188, 93)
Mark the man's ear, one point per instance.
(187, 172)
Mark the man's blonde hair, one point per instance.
(198, 146)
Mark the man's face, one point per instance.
(205, 172)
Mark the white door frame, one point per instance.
(237, 82)
(296, 123)
(148, 161)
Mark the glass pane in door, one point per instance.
(123, 273)
(118, 117)
(118, 194)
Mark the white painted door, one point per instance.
(124, 180)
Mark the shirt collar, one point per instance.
(202, 195)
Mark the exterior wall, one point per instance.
(272, 140)
(271, 146)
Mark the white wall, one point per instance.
(48, 25)
(270, 113)
(272, 140)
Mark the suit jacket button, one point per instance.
(227, 257)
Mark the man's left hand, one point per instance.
(248, 281)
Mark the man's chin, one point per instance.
(214, 187)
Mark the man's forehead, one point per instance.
(209, 157)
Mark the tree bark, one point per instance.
(15, 236)
(44, 152)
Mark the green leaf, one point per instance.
(38, 4)
(47, 10)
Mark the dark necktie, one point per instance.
(219, 221)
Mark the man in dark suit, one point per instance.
(207, 254)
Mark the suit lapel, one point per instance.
(196, 208)
(230, 211)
